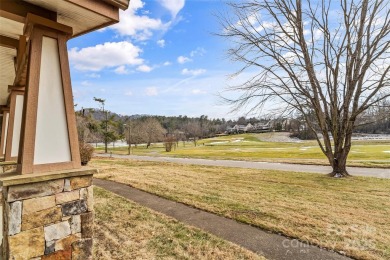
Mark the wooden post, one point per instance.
(14, 123)
(49, 135)
(47, 203)
(4, 130)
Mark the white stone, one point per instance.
(67, 185)
(49, 247)
(57, 231)
(90, 198)
(87, 194)
(83, 193)
(15, 218)
(66, 218)
(75, 224)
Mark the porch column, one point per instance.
(49, 134)
(48, 201)
(4, 130)
(14, 122)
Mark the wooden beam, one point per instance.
(21, 65)
(11, 16)
(17, 10)
(8, 42)
(99, 7)
(23, 53)
(122, 4)
(4, 108)
(21, 49)
(32, 20)
(15, 88)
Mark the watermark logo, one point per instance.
(295, 245)
(354, 236)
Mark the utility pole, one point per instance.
(105, 114)
(129, 131)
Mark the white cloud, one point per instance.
(183, 59)
(93, 75)
(289, 57)
(107, 55)
(193, 72)
(86, 83)
(121, 70)
(198, 91)
(151, 91)
(144, 68)
(173, 6)
(161, 43)
(129, 93)
(139, 27)
(167, 63)
(198, 52)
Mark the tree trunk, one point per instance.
(339, 166)
(147, 145)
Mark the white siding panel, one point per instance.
(5, 131)
(52, 138)
(17, 125)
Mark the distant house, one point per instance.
(230, 130)
(240, 128)
(262, 127)
(248, 127)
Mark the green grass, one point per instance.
(348, 214)
(250, 147)
(125, 230)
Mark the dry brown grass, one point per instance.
(125, 230)
(349, 215)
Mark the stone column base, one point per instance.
(47, 215)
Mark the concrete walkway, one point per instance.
(355, 171)
(272, 246)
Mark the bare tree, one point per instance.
(153, 130)
(193, 130)
(376, 119)
(323, 56)
(137, 133)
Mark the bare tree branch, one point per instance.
(326, 59)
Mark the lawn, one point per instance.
(348, 215)
(125, 230)
(266, 147)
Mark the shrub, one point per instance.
(86, 152)
(304, 135)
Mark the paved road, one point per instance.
(357, 171)
(272, 246)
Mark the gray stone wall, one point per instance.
(48, 219)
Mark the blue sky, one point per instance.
(161, 59)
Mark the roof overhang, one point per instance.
(81, 16)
